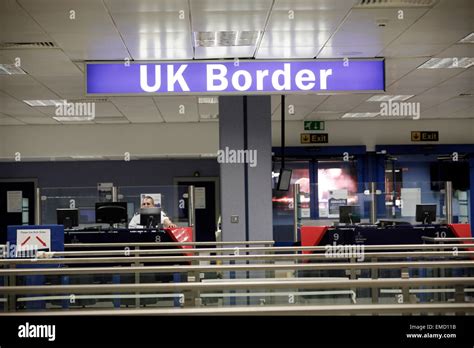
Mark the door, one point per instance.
(205, 207)
(17, 205)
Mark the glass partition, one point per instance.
(172, 200)
(394, 201)
(81, 198)
(283, 201)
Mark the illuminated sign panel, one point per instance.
(228, 77)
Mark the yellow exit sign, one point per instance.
(424, 136)
(309, 138)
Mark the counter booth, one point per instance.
(395, 195)
(83, 219)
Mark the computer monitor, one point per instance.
(111, 213)
(349, 214)
(284, 180)
(87, 215)
(426, 213)
(67, 217)
(150, 217)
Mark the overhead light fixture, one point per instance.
(226, 38)
(11, 69)
(208, 100)
(448, 63)
(45, 102)
(468, 39)
(360, 114)
(317, 112)
(208, 155)
(209, 116)
(386, 97)
(73, 118)
(86, 157)
(394, 3)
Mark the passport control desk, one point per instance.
(73, 238)
(108, 236)
(380, 235)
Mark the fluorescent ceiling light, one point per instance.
(208, 116)
(73, 118)
(11, 69)
(46, 102)
(360, 114)
(208, 100)
(468, 39)
(386, 97)
(394, 3)
(226, 38)
(208, 155)
(448, 63)
(86, 157)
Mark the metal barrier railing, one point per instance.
(252, 249)
(243, 267)
(158, 250)
(165, 244)
(275, 257)
(234, 285)
(266, 242)
(192, 290)
(420, 308)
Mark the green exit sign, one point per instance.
(313, 125)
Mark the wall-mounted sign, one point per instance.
(308, 138)
(28, 239)
(336, 199)
(14, 201)
(424, 136)
(200, 198)
(229, 77)
(313, 125)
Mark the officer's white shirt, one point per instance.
(135, 222)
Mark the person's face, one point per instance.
(147, 203)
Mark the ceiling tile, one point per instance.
(138, 109)
(25, 87)
(9, 121)
(121, 6)
(178, 109)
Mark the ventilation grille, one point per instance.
(226, 38)
(16, 45)
(395, 3)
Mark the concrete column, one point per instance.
(246, 192)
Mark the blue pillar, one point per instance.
(471, 193)
(314, 190)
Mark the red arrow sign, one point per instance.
(26, 240)
(39, 239)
